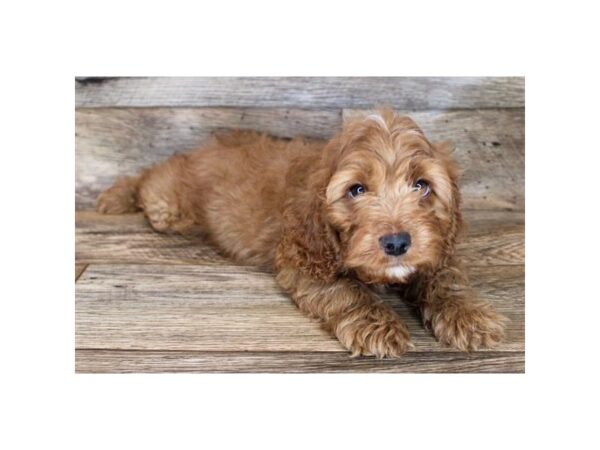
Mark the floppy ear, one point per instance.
(455, 221)
(443, 151)
(308, 243)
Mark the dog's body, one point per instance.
(376, 205)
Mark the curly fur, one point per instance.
(284, 204)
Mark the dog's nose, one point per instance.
(395, 244)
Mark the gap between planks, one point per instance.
(79, 269)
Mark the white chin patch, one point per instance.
(399, 272)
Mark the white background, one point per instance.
(45, 44)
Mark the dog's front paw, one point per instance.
(468, 326)
(380, 333)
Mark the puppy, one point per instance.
(377, 205)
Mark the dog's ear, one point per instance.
(455, 221)
(309, 243)
(443, 151)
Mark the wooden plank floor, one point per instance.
(147, 302)
(155, 303)
(313, 92)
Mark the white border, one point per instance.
(47, 43)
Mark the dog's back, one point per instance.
(233, 190)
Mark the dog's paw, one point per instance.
(119, 199)
(383, 336)
(469, 326)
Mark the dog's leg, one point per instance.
(451, 310)
(120, 198)
(157, 191)
(361, 322)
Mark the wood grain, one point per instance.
(303, 92)
(492, 238)
(147, 302)
(120, 361)
(115, 142)
(79, 268)
(489, 149)
(230, 308)
(129, 239)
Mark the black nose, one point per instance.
(395, 244)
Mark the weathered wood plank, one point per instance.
(119, 361)
(79, 268)
(490, 151)
(109, 239)
(492, 238)
(115, 142)
(303, 92)
(229, 308)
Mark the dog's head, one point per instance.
(388, 203)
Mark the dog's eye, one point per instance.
(356, 190)
(423, 187)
